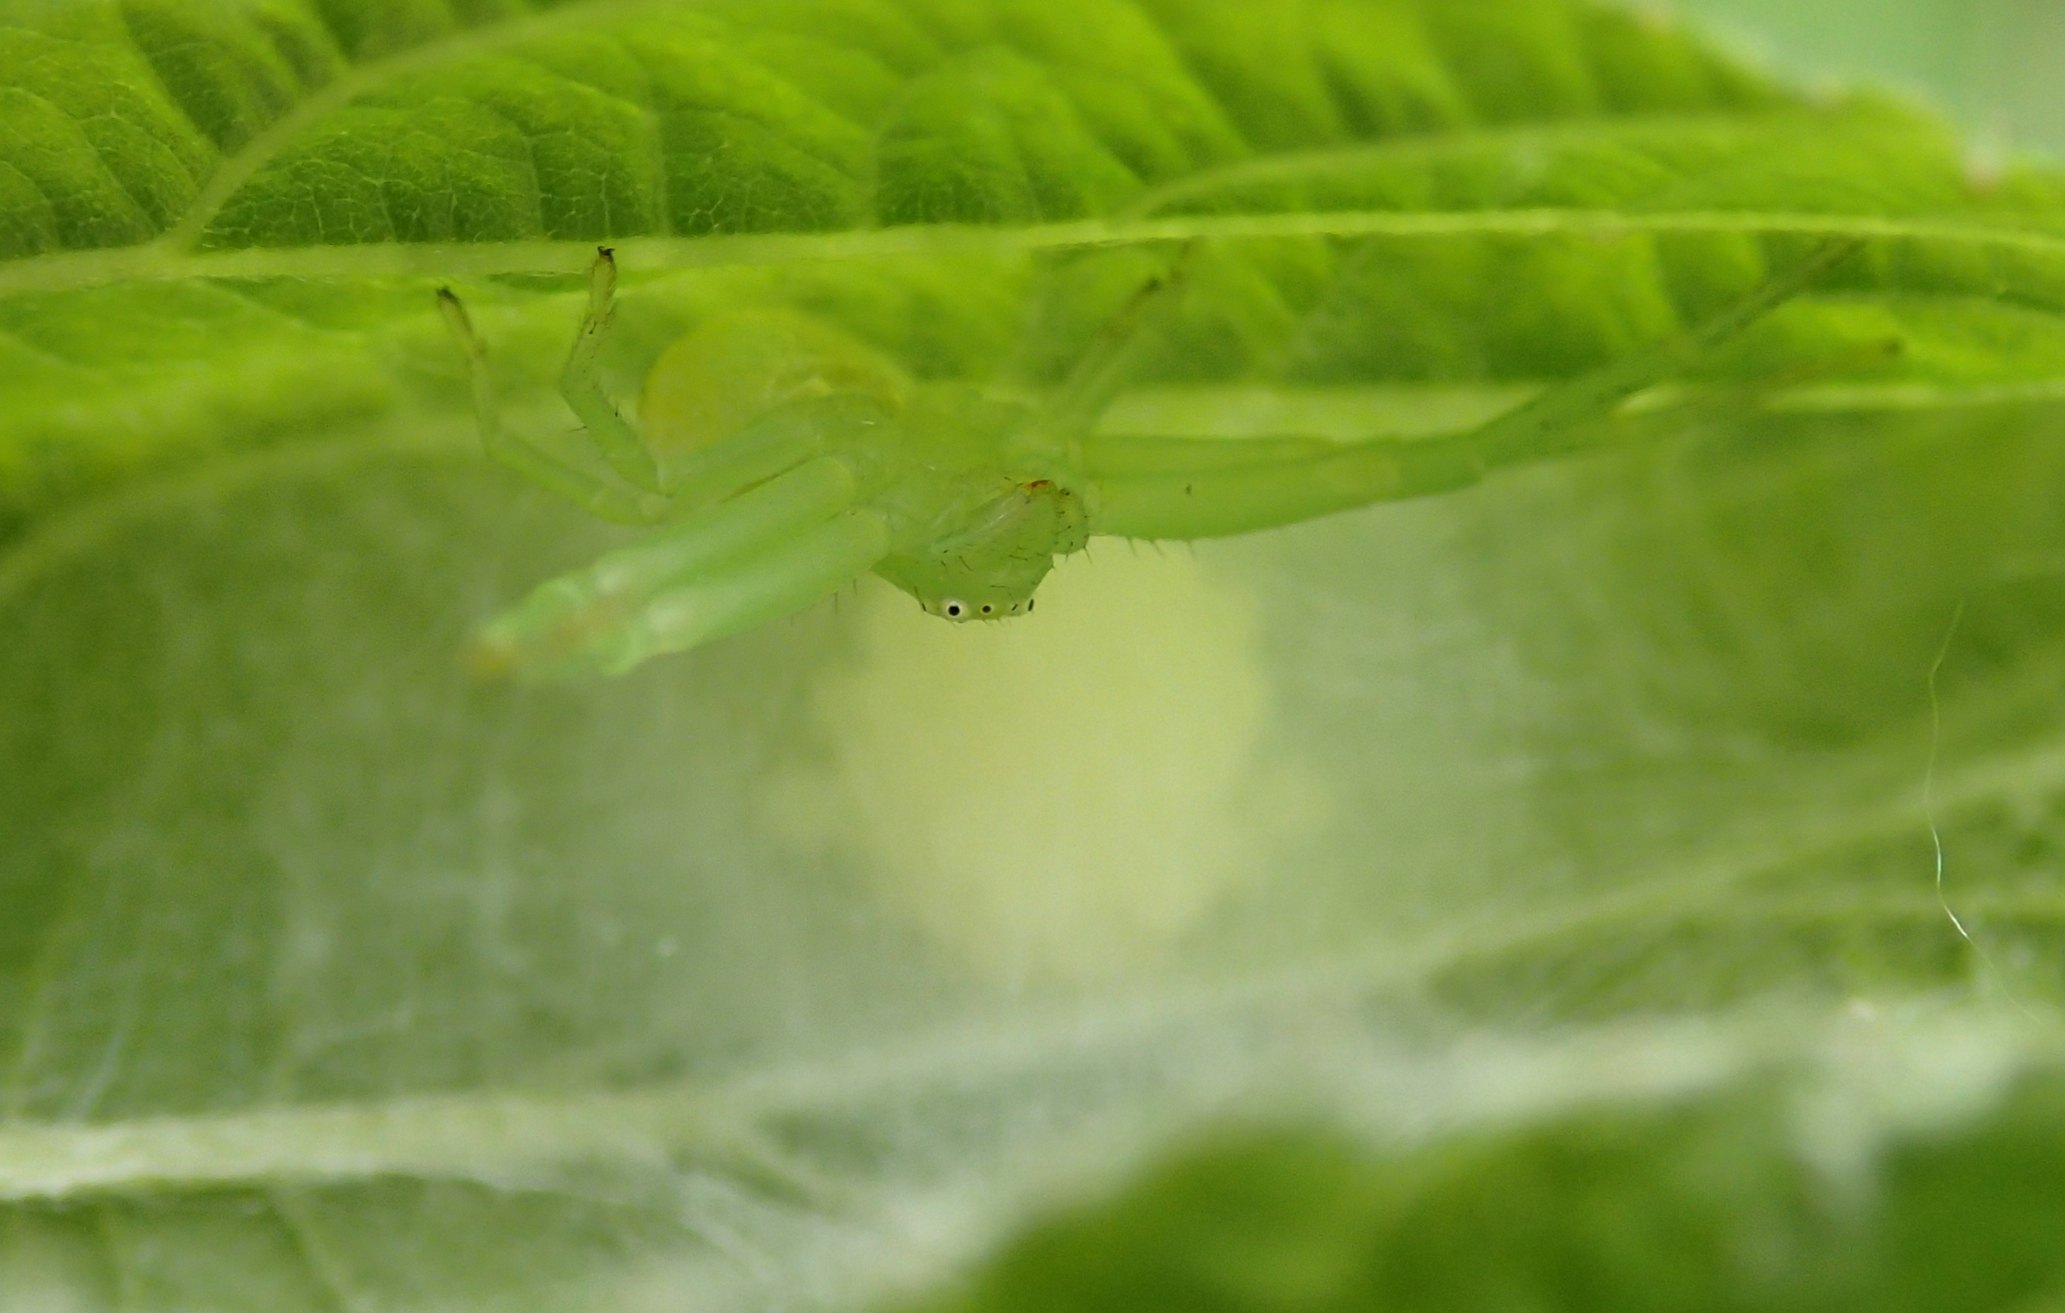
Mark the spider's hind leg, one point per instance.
(759, 556)
(596, 495)
(580, 382)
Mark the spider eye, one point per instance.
(951, 608)
(987, 608)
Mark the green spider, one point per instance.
(778, 460)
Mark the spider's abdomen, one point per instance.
(742, 364)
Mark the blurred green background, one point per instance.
(1994, 64)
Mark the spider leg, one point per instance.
(778, 441)
(1533, 428)
(589, 491)
(580, 383)
(1282, 485)
(1103, 370)
(782, 581)
(767, 552)
(1153, 488)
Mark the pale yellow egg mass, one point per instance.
(1063, 795)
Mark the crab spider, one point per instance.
(779, 460)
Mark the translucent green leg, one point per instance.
(586, 490)
(771, 444)
(1534, 428)
(788, 577)
(1221, 498)
(1151, 489)
(1103, 371)
(580, 383)
(752, 548)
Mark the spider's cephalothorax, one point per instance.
(989, 569)
(780, 458)
(973, 493)
(777, 459)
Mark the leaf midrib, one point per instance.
(442, 260)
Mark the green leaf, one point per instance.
(158, 306)
(814, 964)
(1722, 1197)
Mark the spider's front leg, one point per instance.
(785, 518)
(1169, 488)
(764, 554)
